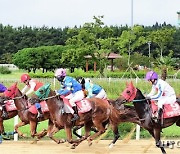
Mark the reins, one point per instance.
(49, 97)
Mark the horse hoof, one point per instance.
(111, 146)
(67, 144)
(61, 141)
(34, 142)
(73, 146)
(90, 143)
(24, 135)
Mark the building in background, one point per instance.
(11, 67)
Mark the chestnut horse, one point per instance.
(144, 111)
(25, 115)
(97, 116)
(11, 114)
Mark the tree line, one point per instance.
(32, 48)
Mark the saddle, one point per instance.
(169, 110)
(10, 106)
(33, 109)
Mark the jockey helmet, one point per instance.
(88, 80)
(25, 77)
(60, 72)
(151, 75)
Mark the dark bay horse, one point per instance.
(11, 114)
(24, 114)
(97, 116)
(144, 111)
(121, 113)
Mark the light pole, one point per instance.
(132, 14)
(178, 13)
(149, 45)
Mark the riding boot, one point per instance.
(4, 112)
(160, 111)
(40, 113)
(76, 116)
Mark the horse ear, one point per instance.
(15, 84)
(131, 84)
(127, 84)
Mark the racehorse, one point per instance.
(97, 116)
(144, 111)
(121, 113)
(11, 114)
(25, 115)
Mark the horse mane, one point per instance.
(139, 94)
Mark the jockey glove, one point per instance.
(148, 98)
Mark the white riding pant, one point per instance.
(102, 94)
(75, 97)
(166, 100)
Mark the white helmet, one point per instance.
(88, 80)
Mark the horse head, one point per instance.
(11, 92)
(130, 92)
(118, 103)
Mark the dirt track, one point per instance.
(49, 147)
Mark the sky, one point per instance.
(63, 13)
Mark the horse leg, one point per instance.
(1, 126)
(100, 129)
(75, 129)
(52, 129)
(157, 135)
(20, 124)
(116, 134)
(87, 134)
(69, 134)
(41, 134)
(33, 127)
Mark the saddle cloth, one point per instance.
(170, 110)
(10, 106)
(83, 105)
(33, 109)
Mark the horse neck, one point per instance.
(54, 104)
(141, 105)
(20, 103)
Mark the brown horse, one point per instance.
(97, 116)
(25, 115)
(144, 111)
(11, 114)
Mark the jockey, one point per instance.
(93, 90)
(70, 88)
(32, 85)
(4, 114)
(161, 91)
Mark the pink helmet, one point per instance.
(151, 75)
(25, 77)
(60, 72)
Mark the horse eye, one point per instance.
(128, 91)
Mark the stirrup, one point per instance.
(4, 115)
(40, 115)
(75, 117)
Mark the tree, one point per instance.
(162, 37)
(130, 40)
